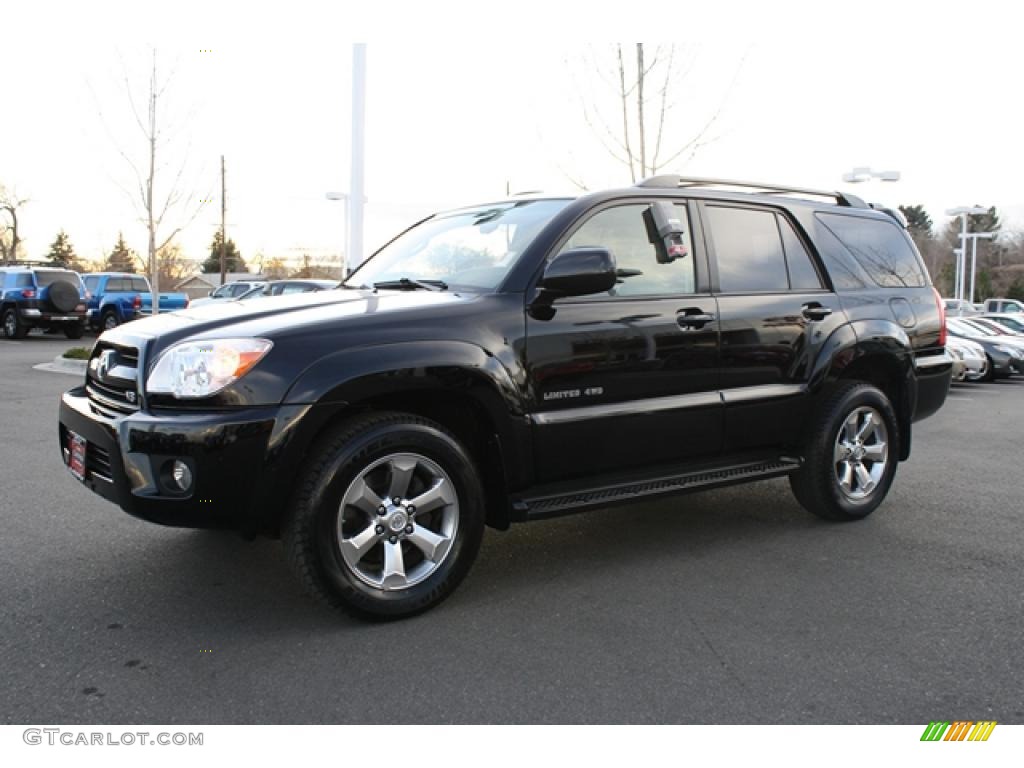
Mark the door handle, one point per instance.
(815, 311)
(693, 318)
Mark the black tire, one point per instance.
(109, 321)
(832, 488)
(990, 374)
(13, 327)
(366, 450)
(75, 331)
(63, 296)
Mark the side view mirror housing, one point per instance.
(579, 272)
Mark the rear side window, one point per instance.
(879, 247)
(139, 284)
(24, 280)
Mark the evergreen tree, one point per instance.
(62, 253)
(122, 258)
(1016, 290)
(232, 258)
(918, 220)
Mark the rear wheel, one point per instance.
(13, 327)
(387, 518)
(851, 460)
(109, 320)
(74, 331)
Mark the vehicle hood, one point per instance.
(280, 316)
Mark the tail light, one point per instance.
(28, 293)
(942, 316)
(137, 305)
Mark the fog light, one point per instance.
(182, 475)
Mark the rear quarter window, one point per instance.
(880, 247)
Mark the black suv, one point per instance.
(41, 296)
(522, 359)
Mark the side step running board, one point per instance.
(560, 504)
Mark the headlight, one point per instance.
(195, 369)
(956, 353)
(1011, 351)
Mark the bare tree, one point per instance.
(647, 89)
(172, 265)
(159, 195)
(10, 204)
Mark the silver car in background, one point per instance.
(969, 360)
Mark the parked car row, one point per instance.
(998, 338)
(38, 295)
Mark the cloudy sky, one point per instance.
(467, 99)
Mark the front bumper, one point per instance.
(231, 455)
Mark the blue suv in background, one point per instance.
(41, 296)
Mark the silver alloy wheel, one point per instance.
(397, 521)
(109, 321)
(861, 453)
(10, 324)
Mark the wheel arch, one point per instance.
(880, 353)
(456, 384)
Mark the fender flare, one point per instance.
(860, 339)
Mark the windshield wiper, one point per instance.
(408, 284)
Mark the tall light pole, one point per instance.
(963, 212)
(356, 192)
(975, 236)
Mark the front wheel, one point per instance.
(387, 518)
(850, 461)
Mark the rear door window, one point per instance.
(748, 250)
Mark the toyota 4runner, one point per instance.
(522, 359)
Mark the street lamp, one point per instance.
(863, 173)
(963, 212)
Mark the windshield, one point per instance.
(469, 248)
(968, 329)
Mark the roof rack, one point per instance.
(28, 263)
(673, 181)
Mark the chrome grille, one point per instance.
(111, 380)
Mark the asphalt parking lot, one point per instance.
(733, 606)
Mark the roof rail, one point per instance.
(673, 181)
(28, 263)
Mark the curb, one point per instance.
(63, 365)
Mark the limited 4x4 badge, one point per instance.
(568, 394)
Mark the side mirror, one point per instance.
(580, 272)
